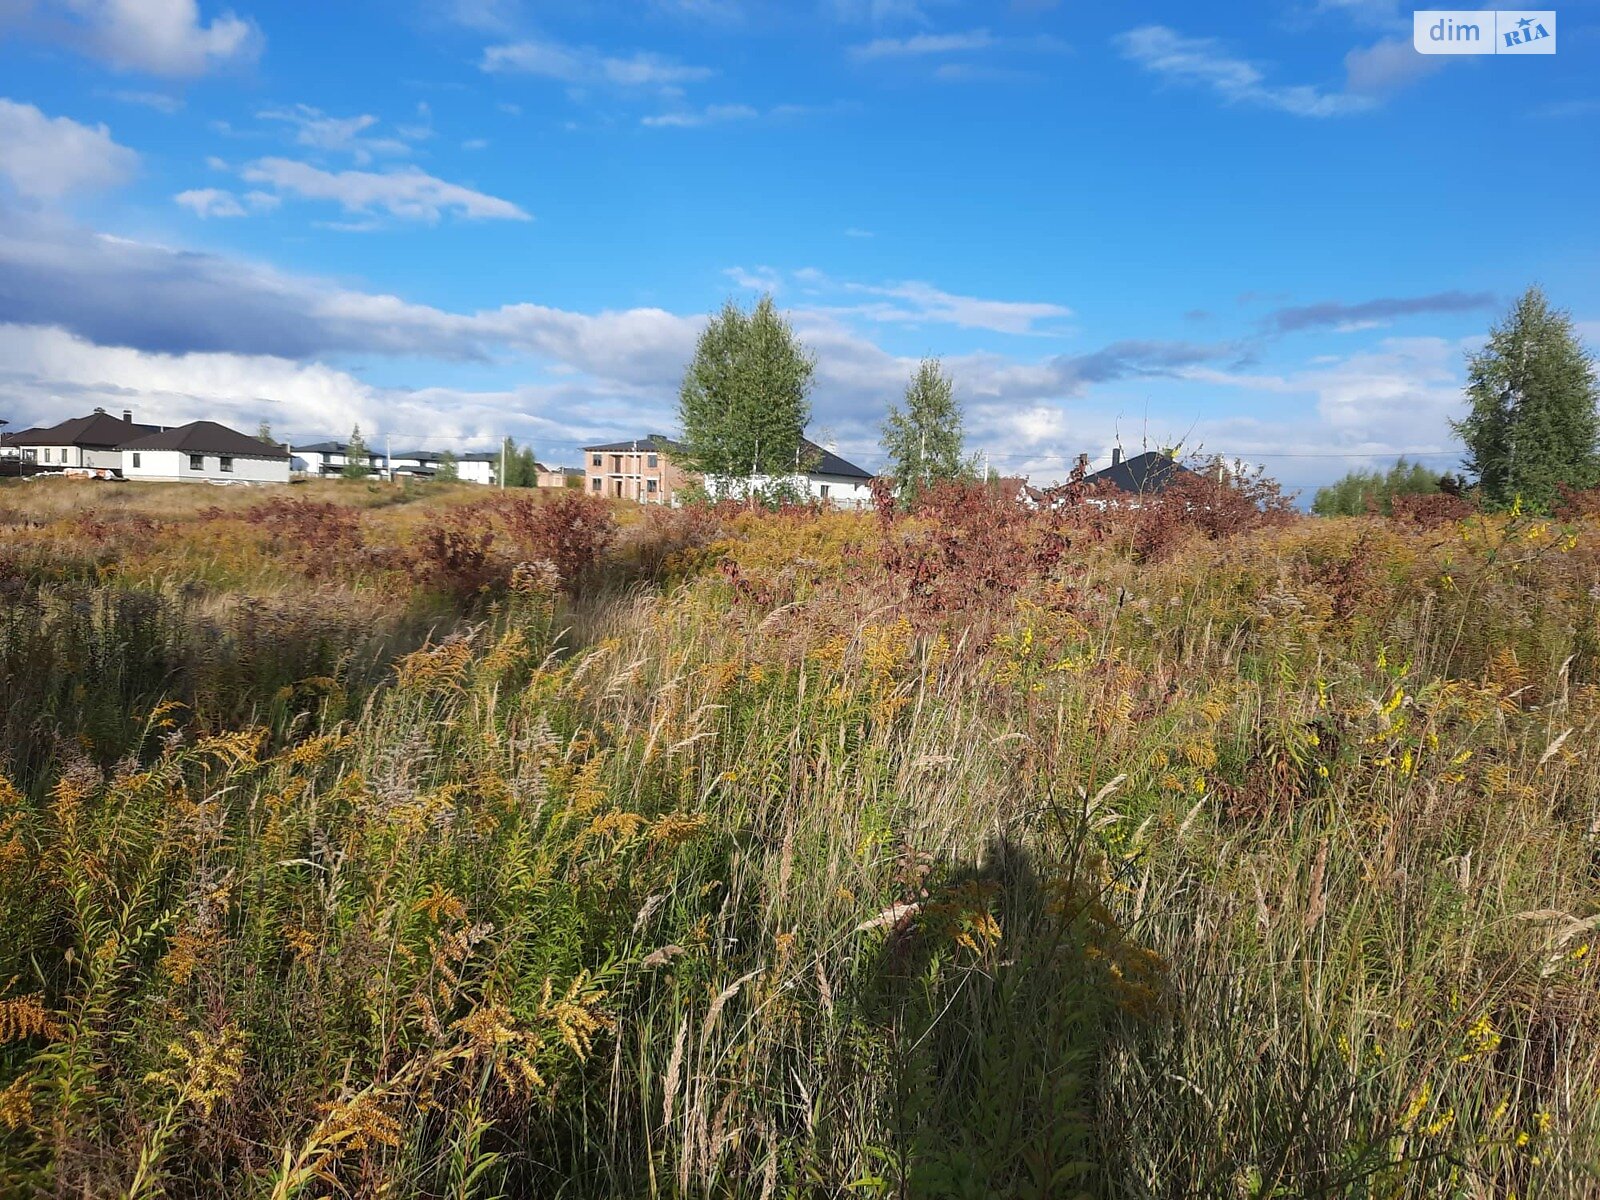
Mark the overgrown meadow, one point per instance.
(357, 841)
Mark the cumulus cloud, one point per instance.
(45, 158)
(408, 193)
(1204, 62)
(159, 37)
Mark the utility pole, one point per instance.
(388, 459)
(502, 464)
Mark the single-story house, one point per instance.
(205, 452)
(88, 443)
(1141, 475)
(827, 478)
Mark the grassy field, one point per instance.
(372, 842)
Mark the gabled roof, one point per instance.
(207, 437)
(829, 463)
(1148, 472)
(98, 431)
(322, 448)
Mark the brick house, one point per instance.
(639, 469)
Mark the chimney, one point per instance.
(1083, 462)
(1116, 456)
(127, 415)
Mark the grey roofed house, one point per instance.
(826, 462)
(1144, 473)
(97, 431)
(208, 437)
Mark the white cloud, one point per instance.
(339, 135)
(854, 232)
(712, 114)
(160, 37)
(160, 101)
(923, 44)
(45, 158)
(1386, 66)
(210, 202)
(1203, 62)
(583, 65)
(475, 144)
(408, 193)
(909, 302)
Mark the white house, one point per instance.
(204, 452)
(81, 444)
(481, 468)
(830, 479)
(329, 458)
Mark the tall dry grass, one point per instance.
(949, 854)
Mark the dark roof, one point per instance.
(422, 456)
(1148, 472)
(488, 456)
(100, 430)
(322, 448)
(207, 437)
(829, 463)
(653, 444)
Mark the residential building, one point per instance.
(827, 478)
(204, 452)
(319, 459)
(638, 469)
(558, 477)
(1140, 475)
(81, 444)
(479, 467)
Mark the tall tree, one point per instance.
(1533, 424)
(521, 469)
(924, 440)
(745, 397)
(448, 469)
(357, 461)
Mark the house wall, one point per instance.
(842, 491)
(173, 465)
(476, 471)
(71, 456)
(628, 475)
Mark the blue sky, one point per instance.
(1267, 230)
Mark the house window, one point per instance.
(823, 488)
(225, 463)
(136, 460)
(595, 485)
(597, 460)
(30, 456)
(650, 461)
(197, 462)
(650, 486)
(47, 454)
